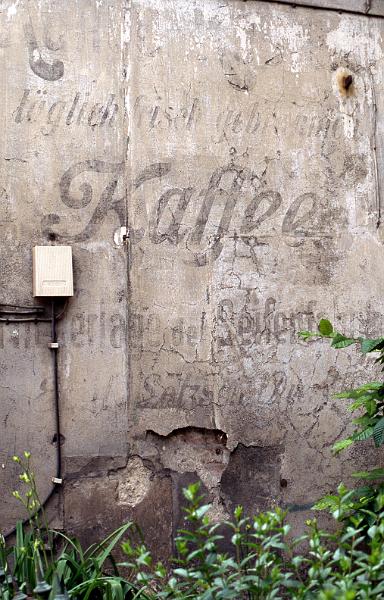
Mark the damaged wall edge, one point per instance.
(370, 8)
(210, 431)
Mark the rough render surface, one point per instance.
(219, 132)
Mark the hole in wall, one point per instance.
(54, 439)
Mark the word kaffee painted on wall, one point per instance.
(234, 190)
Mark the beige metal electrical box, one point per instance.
(52, 271)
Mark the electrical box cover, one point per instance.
(52, 271)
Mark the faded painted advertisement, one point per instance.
(239, 146)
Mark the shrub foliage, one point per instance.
(261, 560)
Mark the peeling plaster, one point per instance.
(134, 482)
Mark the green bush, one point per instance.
(48, 564)
(367, 404)
(264, 562)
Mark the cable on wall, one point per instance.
(10, 313)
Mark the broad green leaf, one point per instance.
(347, 394)
(367, 400)
(325, 327)
(378, 433)
(363, 435)
(372, 386)
(372, 531)
(341, 341)
(365, 421)
(200, 512)
(327, 502)
(238, 512)
(181, 572)
(342, 489)
(369, 475)
(371, 345)
(342, 445)
(191, 491)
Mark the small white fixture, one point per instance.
(52, 271)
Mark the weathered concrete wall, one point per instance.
(250, 182)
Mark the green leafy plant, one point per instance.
(48, 564)
(263, 561)
(367, 403)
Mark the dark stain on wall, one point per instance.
(252, 478)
